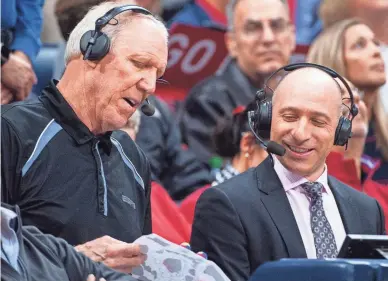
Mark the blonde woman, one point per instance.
(350, 48)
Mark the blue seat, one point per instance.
(323, 270)
(306, 270)
(44, 66)
(382, 273)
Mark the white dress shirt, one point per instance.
(9, 240)
(300, 205)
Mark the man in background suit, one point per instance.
(287, 207)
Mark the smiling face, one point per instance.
(361, 52)
(128, 74)
(263, 37)
(306, 109)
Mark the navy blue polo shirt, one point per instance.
(67, 181)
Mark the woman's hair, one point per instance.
(229, 132)
(328, 50)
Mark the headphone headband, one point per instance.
(104, 20)
(95, 44)
(329, 71)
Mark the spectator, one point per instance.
(260, 39)
(175, 168)
(272, 211)
(237, 145)
(356, 55)
(65, 162)
(234, 141)
(350, 166)
(374, 15)
(21, 23)
(28, 254)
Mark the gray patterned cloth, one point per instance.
(324, 240)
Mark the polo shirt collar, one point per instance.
(65, 116)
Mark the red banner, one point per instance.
(195, 53)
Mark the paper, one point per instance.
(167, 261)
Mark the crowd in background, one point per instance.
(199, 136)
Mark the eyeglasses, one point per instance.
(277, 26)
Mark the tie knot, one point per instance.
(313, 189)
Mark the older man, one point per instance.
(64, 161)
(268, 212)
(260, 39)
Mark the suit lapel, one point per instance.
(276, 202)
(347, 209)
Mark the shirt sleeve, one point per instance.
(76, 265)
(11, 154)
(28, 27)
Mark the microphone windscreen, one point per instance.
(275, 148)
(148, 109)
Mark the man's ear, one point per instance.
(247, 143)
(91, 64)
(230, 42)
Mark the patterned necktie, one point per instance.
(324, 240)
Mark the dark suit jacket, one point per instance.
(248, 220)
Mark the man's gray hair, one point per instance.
(111, 30)
(230, 12)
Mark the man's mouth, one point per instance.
(298, 150)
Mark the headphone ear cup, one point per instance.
(264, 119)
(343, 131)
(99, 49)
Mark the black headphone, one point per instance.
(261, 118)
(95, 44)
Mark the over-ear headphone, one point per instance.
(95, 44)
(261, 118)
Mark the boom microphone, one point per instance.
(270, 146)
(147, 108)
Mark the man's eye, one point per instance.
(318, 123)
(289, 118)
(138, 64)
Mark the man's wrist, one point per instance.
(22, 55)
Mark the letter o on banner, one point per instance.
(187, 63)
(175, 54)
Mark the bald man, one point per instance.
(269, 212)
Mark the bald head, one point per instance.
(306, 109)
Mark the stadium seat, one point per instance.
(44, 66)
(322, 270)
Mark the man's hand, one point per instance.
(6, 95)
(116, 254)
(18, 76)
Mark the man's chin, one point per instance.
(269, 68)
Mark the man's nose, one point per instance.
(268, 34)
(148, 83)
(301, 132)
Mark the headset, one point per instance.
(95, 44)
(260, 119)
